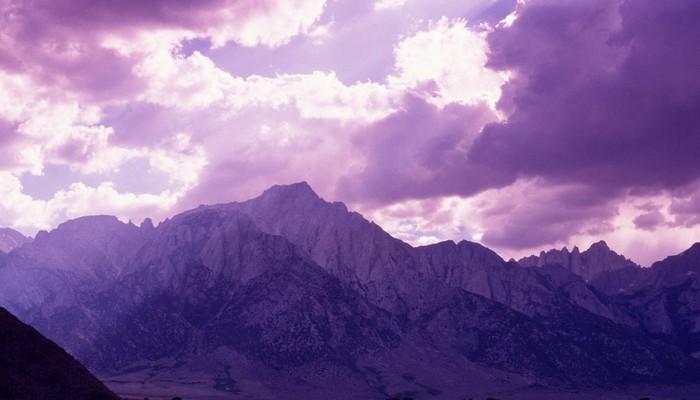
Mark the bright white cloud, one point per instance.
(272, 24)
(183, 83)
(51, 126)
(20, 210)
(321, 34)
(18, 92)
(269, 23)
(195, 83)
(380, 5)
(181, 160)
(81, 199)
(448, 60)
(23, 212)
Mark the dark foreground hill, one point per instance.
(34, 368)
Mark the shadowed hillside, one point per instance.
(34, 368)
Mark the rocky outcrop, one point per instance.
(10, 239)
(588, 264)
(665, 301)
(619, 281)
(94, 247)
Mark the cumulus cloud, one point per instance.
(18, 209)
(649, 220)
(23, 212)
(192, 83)
(599, 105)
(380, 5)
(71, 44)
(74, 74)
(81, 199)
(451, 56)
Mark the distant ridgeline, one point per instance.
(287, 295)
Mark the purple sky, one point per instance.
(522, 126)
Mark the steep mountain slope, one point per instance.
(211, 279)
(94, 247)
(10, 239)
(618, 281)
(34, 368)
(674, 270)
(528, 290)
(343, 243)
(389, 272)
(588, 264)
(665, 301)
(49, 281)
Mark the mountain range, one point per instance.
(290, 295)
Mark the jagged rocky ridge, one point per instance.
(588, 264)
(289, 288)
(662, 301)
(34, 368)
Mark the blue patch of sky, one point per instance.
(55, 178)
(134, 176)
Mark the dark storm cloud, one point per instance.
(685, 207)
(601, 94)
(546, 215)
(420, 152)
(650, 220)
(608, 102)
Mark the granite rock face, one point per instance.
(664, 300)
(587, 264)
(290, 288)
(10, 239)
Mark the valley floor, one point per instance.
(136, 391)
